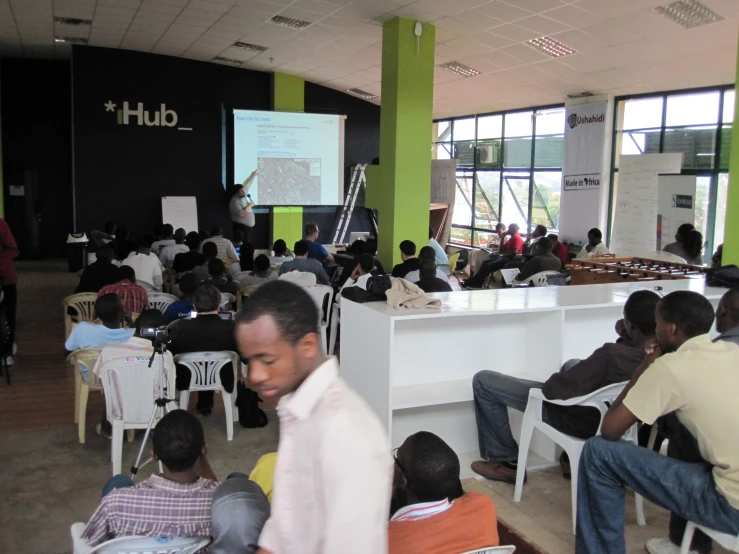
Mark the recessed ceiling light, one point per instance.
(551, 47)
(249, 47)
(361, 93)
(71, 40)
(460, 69)
(227, 61)
(689, 13)
(72, 21)
(290, 22)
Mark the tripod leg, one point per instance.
(137, 464)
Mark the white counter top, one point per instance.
(533, 299)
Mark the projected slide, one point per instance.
(300, 157)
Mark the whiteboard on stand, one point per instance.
(675, 206)
(180, 212)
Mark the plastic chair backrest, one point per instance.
(161, 301)
(322, 296)
(205, 367)
(86, 357)
(152, 545)
(541, 278)
(227, 300)
(83, 304)
(662, 256)
(300, 278)
(493, 550)
(130, 381)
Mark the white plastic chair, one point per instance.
(532, 419)
(84, 305)
(729, 542)
(539, 280)
(300, 278)
(87, 358)
(493, 550)
(137, 544)
(662, 256)
(205, 375)
(335, 320)
(129, 387)
(227, 301)
(161, 300)
(323, 296)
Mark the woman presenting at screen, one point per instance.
(242, 215)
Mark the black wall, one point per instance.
(36, 141)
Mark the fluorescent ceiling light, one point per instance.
(361, 93)
(227, 61)
(249, 47)
(73, 21)
(551, 47)
(689, 13)
(460, 69)
(290, 22)
(71, 40)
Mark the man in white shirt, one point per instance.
(148, 268)
(167, 253)
(167, 240)
(595, 246)
(242, 215)
(334, 471)
(226, 251)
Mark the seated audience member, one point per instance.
(261, 274)
(595, 247)
(99, 273)
(188, 261)
(717, 257)
(246, 260)
(371, 249)
(431, 514)
(186, 499)
(429, 278)
(410, 262)
(511, 248)
(304, 264)
(204, 235)
(316, 251)
(104, 237)
(688, 244)
(543, 260)
(183, 307)
(281, 253)
(426, 253)
(226, 251)
(219, 279)
(122, 244)
(109, 309)
(134, 296)
(685, 375)
(210, 252)
(727, 316)
(559, 249)
(538, 232)
(205, 333)
(612, 363)
(167, 253)
(147, 267)
(440, 256)
(166, 240)
(361, 273)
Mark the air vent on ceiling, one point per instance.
(249, 47)
(227, 61)
(689, 13)
(460, 69)
(73, 21)
(290, 22)
(551, 47)
(71, 40)
(361, 93)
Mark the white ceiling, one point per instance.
(623, 46)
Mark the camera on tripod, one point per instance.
(157, 335)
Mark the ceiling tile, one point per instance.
(464, 24)
(609, 32)
(537, 6)
(573, 16)
(515, 33)
(500, 10)
(542, 25)
(491, 40)
(524, 53)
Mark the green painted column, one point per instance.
(288, 95)
(731, 229)
(401, 188)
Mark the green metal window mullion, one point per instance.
(664, 125)
(614, 145)
(502, 169)
(531, 175)
(713, 187)
(474, 183)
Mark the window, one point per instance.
(696, 124)
(509, 169)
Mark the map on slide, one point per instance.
(289, 181)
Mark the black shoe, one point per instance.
(204, 411)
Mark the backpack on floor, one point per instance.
(247, 401)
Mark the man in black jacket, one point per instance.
(612, 363)
(410, 261)
(205, 333)
(100, 273)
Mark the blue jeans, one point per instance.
(494, 393)
(117, 482)
(606, 467)
(240, 510)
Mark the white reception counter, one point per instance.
(415, 367)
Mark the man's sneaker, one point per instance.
(99, 431)
(496, 471)
(15, 348)
(665, 546)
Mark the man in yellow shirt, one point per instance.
(687, 374)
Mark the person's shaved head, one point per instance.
(727, 313)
